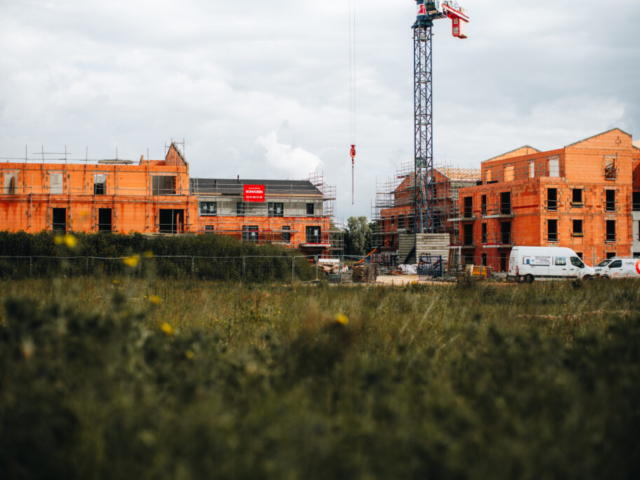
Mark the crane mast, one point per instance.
(428, 11)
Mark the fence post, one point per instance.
(244, 267)
(293, 269)
(87, 266)
(30, 266)
(317, 267)
(193, 265)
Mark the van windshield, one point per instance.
(604, 263)
(576, 262)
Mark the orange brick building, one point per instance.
(158, 197)
(580, 196)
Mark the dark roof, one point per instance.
(226, 186)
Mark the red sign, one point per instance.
(422, 10)
(254, 193)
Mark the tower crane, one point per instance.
(428, 12)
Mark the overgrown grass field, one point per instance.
(163, 379)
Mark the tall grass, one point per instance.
(158, 379)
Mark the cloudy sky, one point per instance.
(261, 89)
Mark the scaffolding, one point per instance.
(394, 212)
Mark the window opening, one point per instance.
(100, 184)
(576, 198)
(577, 228)
(59, 219)
(610, 200)
(552, 199)
(104, 220)
(611, 230)
(276, 209)
(552, 230)
(163, 185)
(208, 208)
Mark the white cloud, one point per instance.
(293, 161)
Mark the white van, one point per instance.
(619, 268)
(547, 263)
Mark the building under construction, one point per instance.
(394, 209)
(159, 197)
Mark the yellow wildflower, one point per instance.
(155, 299)
(132, 261)
(70, 241)
(166, 328)
(116, 282)
(148, 254)
(189, 354)
(342, 319)
(58, 240)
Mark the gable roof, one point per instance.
(172, 152)
(636, 144)
(460, 174)
(597, 135)
(231, 186)
(527, 150)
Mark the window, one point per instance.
(484, 259)
(208, 209)
(576, 262)
(552, 199)
(468, 207)
(171, 220)
(250, 233)
(276, 209)
(576, 197)
(636, 202)
(10, 183)
(484, 205)
(560, 261)
(313, 235)
(100, 184)
(505, 203)
(286, 234)
(484, 233)
(611, 230)
(310, 209)
(104, 219)
(208, 228)
(505, 233)
(59, 219)
(554, 167)
(401, 222)
(240, 209)
(616, 264)
(611, 254)
(610, 202)
(163, 185)
(55, 183)
(610, 168)
(468, 234)
(552, 230)
(577, 228)
(532, 169)
(509, 173)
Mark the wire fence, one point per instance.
(240, 269)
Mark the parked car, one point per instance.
(547, 263)
(619, 268)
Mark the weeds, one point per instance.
(221, 380)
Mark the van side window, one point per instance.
(616, 264)
(576, 262)
(561, 261)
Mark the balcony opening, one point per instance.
(505, 203)
(171, 221)
(552, 199)
(104, 219)
(610, 201)
(468, 207)
(552, 230)
(286, 234)
(59, 219)
(468, 234)
(310, 209)
(314, 234)
(484, 233)
(636, 202)
(505, 233)
(484, 205)
(484, 259)
(611, 230)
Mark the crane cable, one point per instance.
(352, 92)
